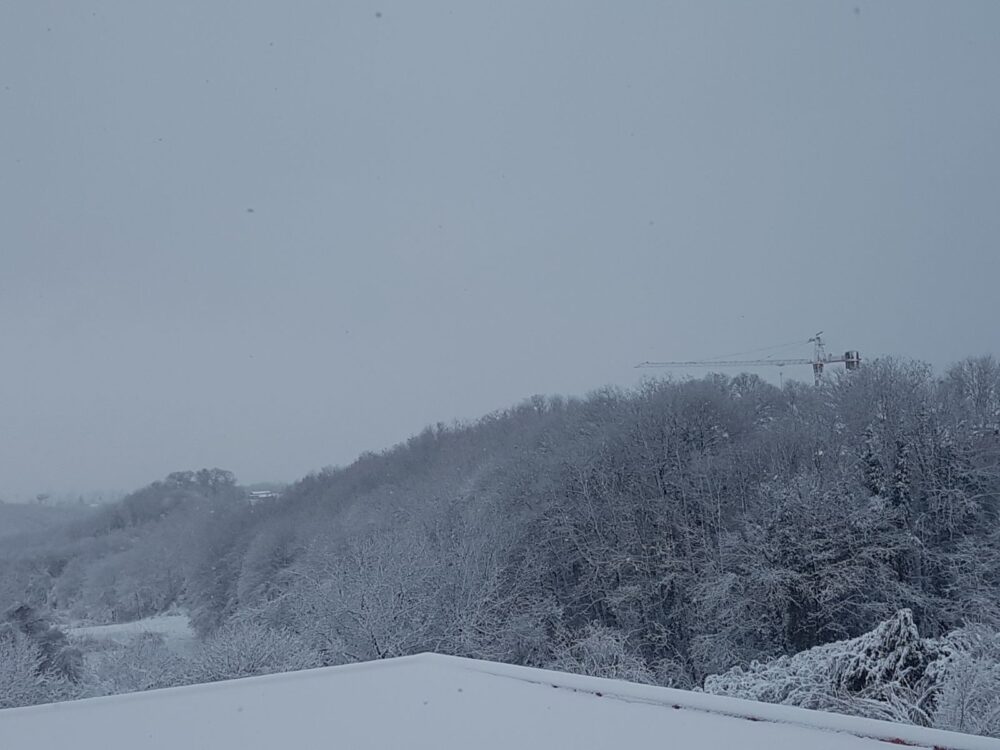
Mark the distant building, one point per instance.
(255, 496)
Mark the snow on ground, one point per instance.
(175, 629)
(441, 702)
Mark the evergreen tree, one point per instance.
(871, 464)
(899, 491)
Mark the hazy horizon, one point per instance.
(267, 241)
(110, 492)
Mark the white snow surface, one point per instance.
(441, 702)
(175, 629)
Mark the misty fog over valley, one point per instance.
(438, 374)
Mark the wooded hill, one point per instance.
(664, 533)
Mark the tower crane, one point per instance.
(819, 360)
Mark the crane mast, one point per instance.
(820, 359)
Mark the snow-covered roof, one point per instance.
(440, 702)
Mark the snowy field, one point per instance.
(432, 701)
(175, 629)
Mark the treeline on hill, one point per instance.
(665, 533)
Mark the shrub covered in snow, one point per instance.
(967, 680)
(37, 662)
(890, 658)
(890, 673)
(600, 651)
(23, 680)
(144, 662)
(242, 649)
(58, 658)
(879, 674)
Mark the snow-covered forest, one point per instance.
(833, 547)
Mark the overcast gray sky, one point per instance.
(268, 236)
